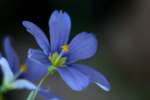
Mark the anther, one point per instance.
(23, 68)
(65, 48)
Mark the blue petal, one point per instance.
(7, 72)
(23, 84)
(39, 57)
(35, 70)
(94, 76)
(73, 78)
(11, 55)
(83, 46)
(59, 26)
(38, 35)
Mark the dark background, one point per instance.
(121, 27)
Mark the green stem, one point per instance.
(34, 93)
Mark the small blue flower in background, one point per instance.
(15, 77)
(61, 56)
(10, 82)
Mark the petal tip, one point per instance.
(60, 13)
(106, 87)
(6, 40)
(26, 24)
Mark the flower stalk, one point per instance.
(34, 93)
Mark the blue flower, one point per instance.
(15, 77)
(60, 55)
(10, 82)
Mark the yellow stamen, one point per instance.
(65, 48)
(23, 68)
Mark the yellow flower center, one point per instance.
(57, 59)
